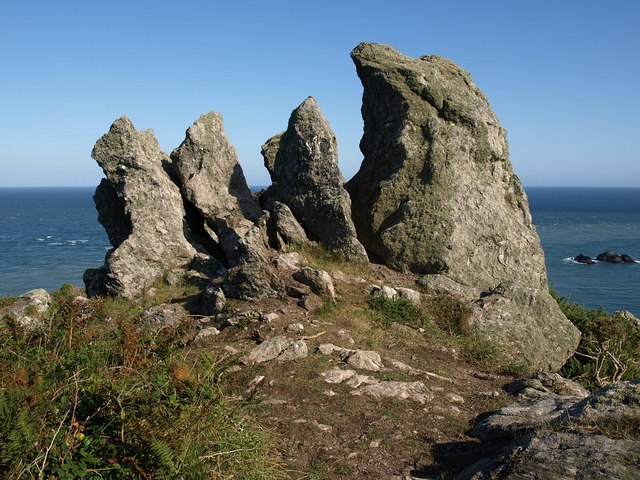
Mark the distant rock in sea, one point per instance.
(584, 259)
(612, 257)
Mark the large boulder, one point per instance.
(303, 164)
(146, 244)
(211, 179)
(436, 194)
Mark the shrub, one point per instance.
(609, 350)
(94, 397)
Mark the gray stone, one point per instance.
(288, 230)
(408, 294)
(365, 360)
(560, 456)
(206, 333)
(146, 244)
(278, 348)
(391, 389)
(319, 281)
(288, 261)
(212, 180)
(28, 309)
(337, 375)
(160, 317)
(436, 194)
(303, 164)
(213, 300)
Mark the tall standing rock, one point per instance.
(211, 179)
(436, 195)
(146, 243)
(303, 164)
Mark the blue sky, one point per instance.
(562, 76)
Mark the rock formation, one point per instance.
(554, 434)
(436, 195)
(613, 257)
(583, 259)
(303, 164)
(146, 243)
(212, 181)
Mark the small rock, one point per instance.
(295, 328)
(374, 443)
(231, 350)
(310, 302)
(330, 348)
(455, 398)
(337, 375)
(329, 393)
(365, 360)
(267, 350)
(213, 300)
(206, 332)
(269, 317)
(288, 261)
(402, 390)
(294, 350)
(357, 380)
(318, 280)
(323, 428)
(408, 294)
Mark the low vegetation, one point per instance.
(94, 397)
(609, 350)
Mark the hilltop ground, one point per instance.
(151, 388)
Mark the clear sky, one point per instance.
(563, 77)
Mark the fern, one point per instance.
(164, 455)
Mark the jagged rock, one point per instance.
(145, 243)
(288, 230)
(337, 375)
(252, 281)
(556, 432)
(441, 284)
(560, 456)
(310, 302)
(212, 181)
(28, 309)
(397, 293)
(206, 333)
(408, 294)
(303, 164)
(436, 195)
(205, 269)
(319, 281)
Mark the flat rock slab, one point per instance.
(278, 348)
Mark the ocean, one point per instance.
(49, 236)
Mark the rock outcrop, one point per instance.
(436, 195)
(592, 437)
(583, 259)
(303, 164)
(212, 180)
(146, 243)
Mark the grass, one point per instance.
(93, 397)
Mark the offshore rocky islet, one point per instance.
(435, 195)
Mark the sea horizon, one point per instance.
(53, 235)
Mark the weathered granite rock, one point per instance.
(303, 164)
(278, 348)
(436, 194)
(28, 309)
(319, 281)
(212, 180)
(288, 230)
(145, 243)
(161, 317)
(570, 435)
